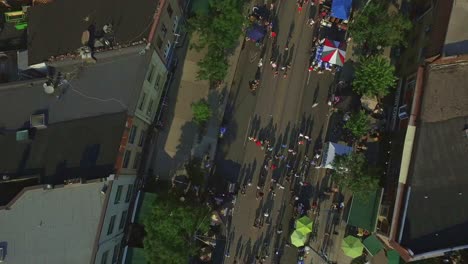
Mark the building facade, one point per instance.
(114, 218)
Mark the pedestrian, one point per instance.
(285, 75)
(266, 214)
(275, 73)
(283, 68)
(290, 150)
(273, 34)
(307, 137)
(270, 149)
(280, 186)
(294, 153)
(258, 143)
(260, 63)
(314, 105)
(301, 142)
(273, 167)
(284, 146)
(301, 135)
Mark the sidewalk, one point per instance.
(180, 139)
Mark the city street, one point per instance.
(282, 108)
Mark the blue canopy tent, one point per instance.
(256, 33)
(341, 9)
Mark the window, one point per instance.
(159, 42)
(126, 159)
(141, 141)
(136, 161)
(164, 30)
(175, 25)
(129, 193)
(167, 49)
(123, 219)
(142, 102)
(115, 255)
(169, 10)
(111, 226)
(104, 257)
(150, 73)
(158, 81)
(118, 194)
(150, 107)
(133, 132)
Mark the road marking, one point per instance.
(247, 131)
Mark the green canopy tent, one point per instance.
(352, 246)
(373, 245)
(304, 225)
(393, 257)
(298, 238)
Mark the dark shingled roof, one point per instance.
(56, 28)
(82, 148)
(437, 214)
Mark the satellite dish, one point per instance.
(48, 89)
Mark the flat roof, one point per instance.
(57, 28)
(109, 86)
(437, 215)
(52, 226)
(84, 148)
(456, 40)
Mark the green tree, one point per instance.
(171, 228)
(358, 124)
(351, 172)
(220, 27)
(375, 27)
(201, 112)
(218, 30)
(213, 67)
(374, 77)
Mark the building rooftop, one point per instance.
(80, 149)
(57, 28)
(436, 216)
(52, 226)
(456, 40)
(109, 86)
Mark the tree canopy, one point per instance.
(374, 26)
(374, 76)
(201, 112)
(218, 30)
(352, 172)
(358, 124)
(171, 228)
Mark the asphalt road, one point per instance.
(280, 110)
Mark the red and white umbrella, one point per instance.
(334, 52)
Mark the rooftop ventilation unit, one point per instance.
(38, 121)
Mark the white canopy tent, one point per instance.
(331, 150)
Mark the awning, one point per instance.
(364, 211)
(373, 245)
(341, 9)
(145, 207)
(331, 150)
(393, 257)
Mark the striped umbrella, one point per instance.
(333, 52)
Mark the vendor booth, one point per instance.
(330, 54)
(256, 33)
(331, 150)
